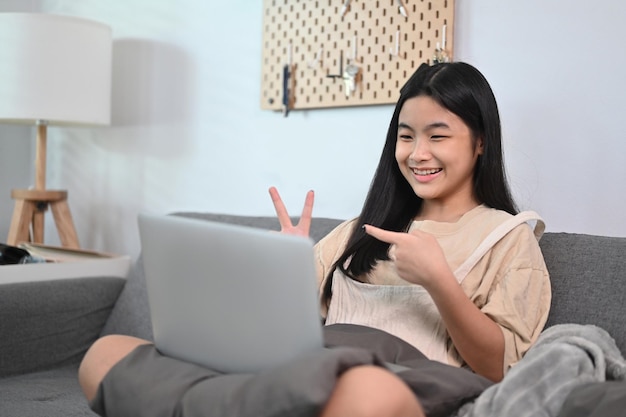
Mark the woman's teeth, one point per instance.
(426, 171)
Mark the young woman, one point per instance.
(438, 194)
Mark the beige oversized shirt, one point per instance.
(510, 283)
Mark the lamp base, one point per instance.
(30, 207)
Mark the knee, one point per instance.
(370, 391)
(103, 354)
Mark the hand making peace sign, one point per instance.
(304, 224)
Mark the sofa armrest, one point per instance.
(52, 323)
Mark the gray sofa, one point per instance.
(46, 327)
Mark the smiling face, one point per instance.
(437, 155)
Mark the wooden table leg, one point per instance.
(20, 223)
(65, 225)
(38, 222)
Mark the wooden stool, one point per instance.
(30, 207)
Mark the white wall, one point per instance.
(557, 70)
(16, 169)
(16, 144)
(188, 132)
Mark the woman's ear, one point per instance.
(480, 146)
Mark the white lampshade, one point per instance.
(55, 69)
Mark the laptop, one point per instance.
(232, 298)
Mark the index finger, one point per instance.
(383, 235)
(307, 210)
(279, 207)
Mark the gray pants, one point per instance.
(146, 383)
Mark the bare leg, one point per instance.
(101, 357)
(366, 391)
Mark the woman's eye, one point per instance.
(405, 137)
(437, 137)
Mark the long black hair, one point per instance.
(391, 203)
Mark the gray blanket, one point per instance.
(565, 356)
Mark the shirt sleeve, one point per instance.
(519, 299)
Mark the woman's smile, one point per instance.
(426, 174)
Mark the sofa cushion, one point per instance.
(588, 275)
(51, 393)
(596, 399)
(47, 324)
(131, 313)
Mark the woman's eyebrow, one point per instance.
(437, 125)
(431, 126)
(403, 125)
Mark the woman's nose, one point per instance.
(421, 150)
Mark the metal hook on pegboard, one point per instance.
(395, 51)
(317, 59)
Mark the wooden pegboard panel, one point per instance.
(301, 29)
